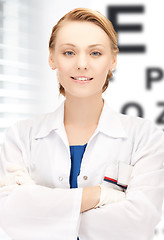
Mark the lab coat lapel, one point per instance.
(53, 122)
(59, 125)
(110, 123)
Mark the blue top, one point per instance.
(77, 152)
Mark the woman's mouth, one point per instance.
(82, 80)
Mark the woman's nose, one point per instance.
(82, 62)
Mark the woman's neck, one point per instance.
(82, 112)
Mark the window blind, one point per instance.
(19, 85)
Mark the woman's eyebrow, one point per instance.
(93, 45)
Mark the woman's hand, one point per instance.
(17, 176)
(90, 198)
(109, 195)
(100, 195)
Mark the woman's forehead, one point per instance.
(82, 31)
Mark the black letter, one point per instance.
(160, 119)
(150, 78)
(132, 105)
(112, 13)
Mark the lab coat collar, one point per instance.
(109, 122)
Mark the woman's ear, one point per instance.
(114, 63)
(51, 62)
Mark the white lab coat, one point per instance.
(51, 210)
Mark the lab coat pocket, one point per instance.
(117, 175)
(124, 173)
(111, 176)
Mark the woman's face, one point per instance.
(82, 49)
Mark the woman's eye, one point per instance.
(96, 53)
(69, 53)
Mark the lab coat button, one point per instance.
(85, 177)
(60, 178)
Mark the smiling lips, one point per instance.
(82, 78)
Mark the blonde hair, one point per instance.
(85, 14)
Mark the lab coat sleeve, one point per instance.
(136, 217)
(35, 212)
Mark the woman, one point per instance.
(112, 162)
